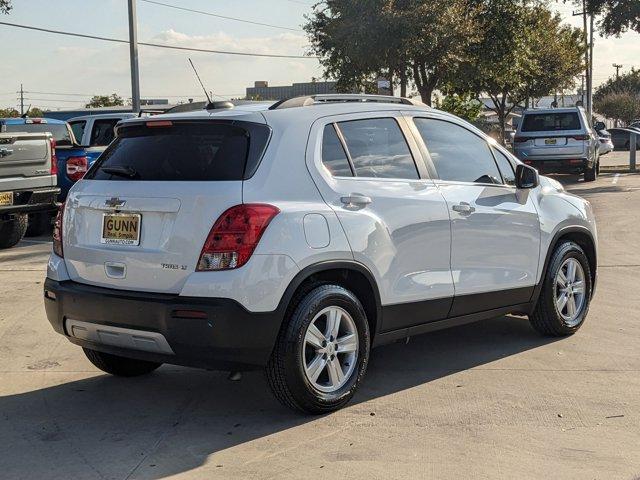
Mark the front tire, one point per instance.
(119, 366)
(322, 352)
(13, 231)
(566, 293)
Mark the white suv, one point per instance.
(296, 237)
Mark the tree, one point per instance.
(525, 52)
(359, 40)
(113, 100)
(5, 6)
(463, 105)
(623, 106)
(627, 82)
(616, 16)
(9, 113)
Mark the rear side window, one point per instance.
(103, 133)
(458, 154)
(378, 149)
(59, 131)
(184, 151)
(333, 156)
(550, 122)
(78, 129)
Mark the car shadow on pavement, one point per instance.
(173, 420)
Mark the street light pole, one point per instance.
(133, 55)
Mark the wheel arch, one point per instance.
(351, 275)
(581, 236)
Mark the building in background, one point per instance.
(262, 91)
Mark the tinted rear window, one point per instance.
(185, 151)
(59, 132)
(550, 122)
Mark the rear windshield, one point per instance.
(183, 151)
(59, 131)
(550, 122)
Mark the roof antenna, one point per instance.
(201, 84)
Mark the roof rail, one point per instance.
(309, 100)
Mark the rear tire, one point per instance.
(306, 345)
(119, 366)
(552, 316)
(39, 224)
(13, 231)
(591, 174)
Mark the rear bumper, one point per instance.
(229, 338)
(32, 200)
(554, 165)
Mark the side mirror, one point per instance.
(600, 126)
(526, 177)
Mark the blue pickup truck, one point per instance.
(72, 159)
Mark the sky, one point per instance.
(56, 65)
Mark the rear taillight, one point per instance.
(234, 236)
(520, 139)
(57, 232)
(54, 158)
(581, 137)
(77, 167)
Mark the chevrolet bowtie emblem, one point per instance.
(114, 202)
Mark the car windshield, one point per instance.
(545, 122)
(59, 131)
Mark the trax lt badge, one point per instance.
(114, 202)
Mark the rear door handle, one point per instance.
(356, 199)
(463, 207)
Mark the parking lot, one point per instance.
(489, 400)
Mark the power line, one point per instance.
(210, 14)
(158, 45)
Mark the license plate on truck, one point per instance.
(550, 141)
(6, 198)
(121, 228)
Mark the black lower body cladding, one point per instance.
(225, 335)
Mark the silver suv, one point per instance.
(558, 140)
(295, 237)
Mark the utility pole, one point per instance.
(617, 66)
(591, 68)
(133, 55)
(587, 51)
(21, 100)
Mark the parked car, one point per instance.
(27, 182)
(296, 237)
(606, 144)
(71, 158)
(621, 137)
(558, 140)
(96, 132)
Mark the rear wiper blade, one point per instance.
(121, 171)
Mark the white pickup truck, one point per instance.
(28, 181)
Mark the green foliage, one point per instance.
(359, 40)
(525, 52)
(623, 105)
(112, 100)
(5, 6)
(627, 82)
(615, 16)
(9, 113)
(464, 106)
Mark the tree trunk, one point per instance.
(403, 82)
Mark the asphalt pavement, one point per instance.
(492, 400)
